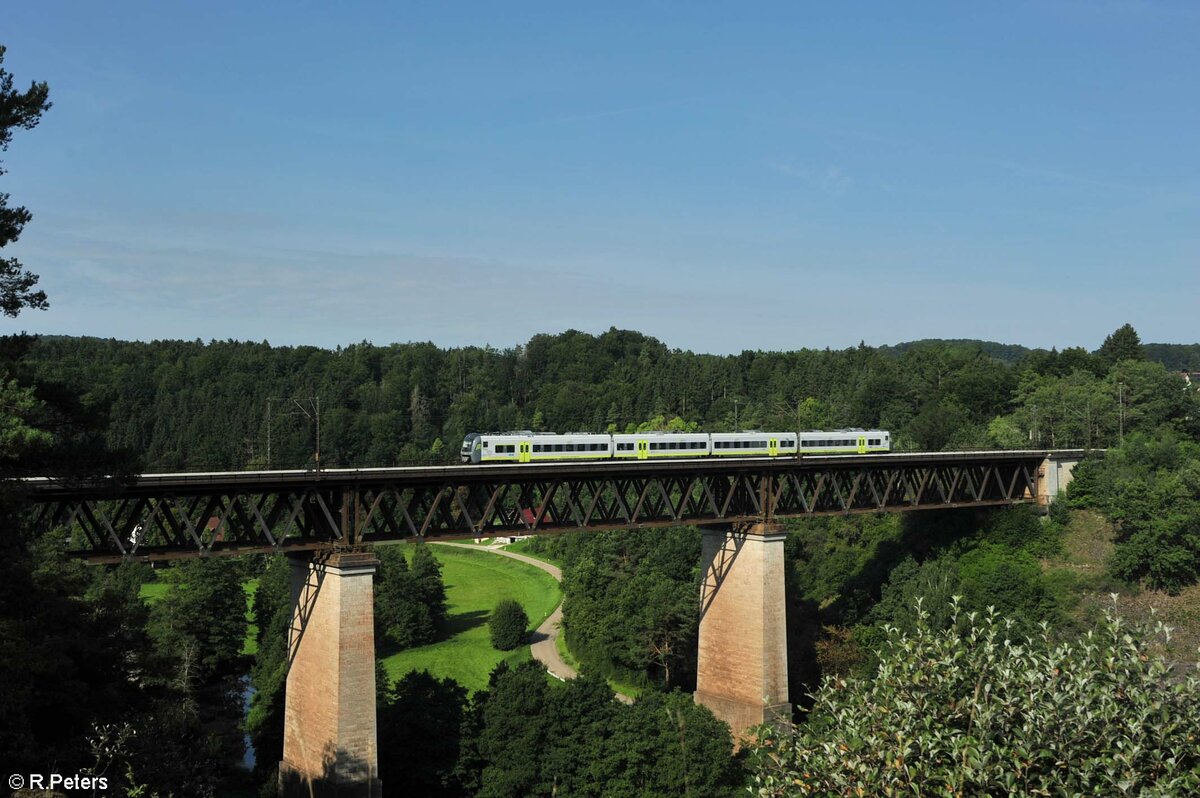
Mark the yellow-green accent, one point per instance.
(643, 450)
(772, 446)
(524, 449)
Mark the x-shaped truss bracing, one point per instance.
(139, 522)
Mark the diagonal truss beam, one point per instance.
(119, 522)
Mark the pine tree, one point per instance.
(431, 590)
(1123, 344)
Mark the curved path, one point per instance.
(544, 647)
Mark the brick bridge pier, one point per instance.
(330, 746)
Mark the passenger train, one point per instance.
(534, 447)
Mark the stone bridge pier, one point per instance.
(742, 667)
(329, 731)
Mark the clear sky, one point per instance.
(722, 176)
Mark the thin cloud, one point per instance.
(1067, 177)
(829, 179)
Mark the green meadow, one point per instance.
(475, 582)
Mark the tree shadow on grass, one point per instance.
(463, 621)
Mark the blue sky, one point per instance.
(721, 176)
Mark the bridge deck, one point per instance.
(196, 514)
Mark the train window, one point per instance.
(537, 447)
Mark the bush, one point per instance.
(977, 713)
(508, 624)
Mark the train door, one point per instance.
(862, 444)
(523, 452)
(773, 446)
(643, 450)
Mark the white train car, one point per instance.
(654, 445)
(752, 443)
(524, 446)
(845, 441)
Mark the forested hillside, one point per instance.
(190, 405)
(872, 599)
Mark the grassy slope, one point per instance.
(1088, 542)
(475, 581)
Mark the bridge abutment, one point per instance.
(742, 668)
(1054, 475)
(329, 737)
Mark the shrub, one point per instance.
(969, 711)
(508, 624)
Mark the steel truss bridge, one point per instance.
(163, 516)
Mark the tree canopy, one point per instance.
(18, 110)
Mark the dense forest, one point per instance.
(232, 405)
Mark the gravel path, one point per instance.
(544, 646)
